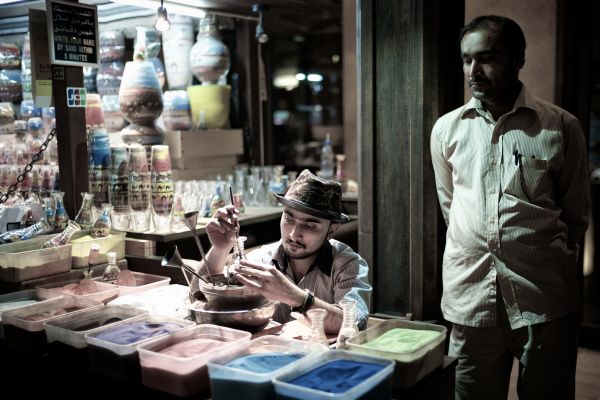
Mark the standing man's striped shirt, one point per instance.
(338, 273)
(515, 196)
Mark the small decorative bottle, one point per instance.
(238, 255)
(317, 330)
(25, 233)
(61, 218)
(103, 224)
(64, 237)
(49, 211)
(111, 273)
(340, 172)
(349, 327)
(84, 216)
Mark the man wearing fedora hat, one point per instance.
(306, 268)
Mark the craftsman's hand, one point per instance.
(270, 282)
(222, 228)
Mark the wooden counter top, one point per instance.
(253, 215)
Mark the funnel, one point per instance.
(173, 259)
(191, 219)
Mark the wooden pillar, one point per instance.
(70, 136)
(409, 74)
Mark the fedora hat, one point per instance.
(315, 196)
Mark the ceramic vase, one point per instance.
(179, 39)
(209, 57)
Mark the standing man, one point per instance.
(306, 268)
(512, 181)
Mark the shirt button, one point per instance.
(494, 162)
(492, 220)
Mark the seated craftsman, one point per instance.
(306, 268)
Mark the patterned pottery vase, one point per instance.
(179, 39)
(176, 112)
(209, 57)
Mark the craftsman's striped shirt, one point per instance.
(515, 196)
(338, 273)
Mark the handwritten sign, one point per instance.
(72, 33)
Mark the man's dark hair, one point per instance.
(509, 32)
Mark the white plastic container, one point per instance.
(106, 291)
(410, 366)
(121, 360)
(143, 282)
(14, 300)
(71, 329)
(377, 386)
(229, 382)
(26, 260)
(81, 243)
(24, 329)
(184, 376)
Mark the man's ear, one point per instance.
(332, 228)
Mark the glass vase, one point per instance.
(316, 317)
(85, 217)
(103, 224)
(139, 189)
(349, 327)
(61, 218)
(99, 168)
(162, 188)
(119, 195)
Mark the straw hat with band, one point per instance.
(315, 196)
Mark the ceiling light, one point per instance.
(162, 20)
(260, 34)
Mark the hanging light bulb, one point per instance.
(162, 22)
(261, 36)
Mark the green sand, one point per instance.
(400, 340)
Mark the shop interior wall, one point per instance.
(538, 20)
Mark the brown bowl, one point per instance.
(248, 319)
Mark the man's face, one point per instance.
(302, 234)
(488, 67)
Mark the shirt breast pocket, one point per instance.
(529, 180)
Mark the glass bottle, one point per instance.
(103, 224)
(25, 233)
(238, 255)
(349, 327)
(317, 330)
(64, 237)
(61, 217)
(111, 273)
(327, 159)
(340, 172)
(217, 201)
(177, 212)
(49, 210)
(84, 216)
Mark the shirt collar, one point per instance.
(324, 260)
(524, 100)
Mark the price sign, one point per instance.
(72, 33)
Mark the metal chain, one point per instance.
(36, 157)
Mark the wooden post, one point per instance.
(70, 136)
